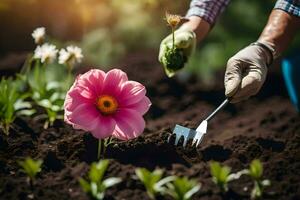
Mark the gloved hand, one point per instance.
(185, 40)
(246, 72)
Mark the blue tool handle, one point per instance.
(223, 104)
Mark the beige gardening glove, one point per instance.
(246, 71)
(184, 39)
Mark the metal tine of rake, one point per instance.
(201, 130)
(181, 131)
(196, 135)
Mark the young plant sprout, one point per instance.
(31, 168)
(174, 58)
(255, 172)
(107, 105)
(12, 103)
(48, 94)
(96, 185)
(153, 181)
(182, 188)
(221, 175)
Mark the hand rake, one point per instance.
(198, 134)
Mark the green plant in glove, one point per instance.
(177, 47)
(153, 181)
(181, 188)
(96, 185)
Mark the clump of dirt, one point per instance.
(265, 127)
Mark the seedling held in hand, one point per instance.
(182, 188)
(96, 185)
(153, 181)
(174, 58)
(31, 168)
(255, 172)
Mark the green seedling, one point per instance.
(31, 168)
(182, 188)
(255, 172)
(153, 181)
(48, 92)
(221, 175)
(174, 58)
(12, 103)
(96, 185)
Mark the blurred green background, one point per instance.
(108, 30)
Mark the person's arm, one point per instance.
(246, 71)
(280, 30)
(202, 16)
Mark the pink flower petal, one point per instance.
(72, 101)
(92, 80)
(132, 92)
(113, 81)
(104, 127)
(129, 124)
(85, 115)
(142, 106)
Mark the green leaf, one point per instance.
(96, 186)
(97, 170)
(109, 182)
(266, 183)
(45, 103)
(20, 104)
(84, 185)
(94, 189)
(256, 169)
(31, 167)
(150, 179)
(26, 112)
(182, 188)
(52, 85)
(220, 175)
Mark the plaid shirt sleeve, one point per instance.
(290, 6)
(209, 10)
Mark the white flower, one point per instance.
(70, 56)
(39, 35)
(46, 53)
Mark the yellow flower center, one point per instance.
(107, 105)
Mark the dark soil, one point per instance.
(265, 127)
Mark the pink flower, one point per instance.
(107, 104)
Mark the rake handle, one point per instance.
(223, 104)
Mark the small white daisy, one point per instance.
(70, 56)
(39, 35)
(46, 53)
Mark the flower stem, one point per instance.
(99, 148)
(173, 38)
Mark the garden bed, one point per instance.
(265, 127)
